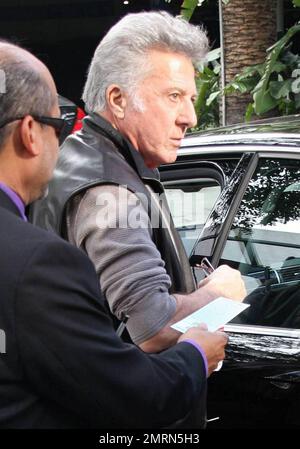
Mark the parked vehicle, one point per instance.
(234, 194)
(72, 114)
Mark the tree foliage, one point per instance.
(274, 84)
(188, 6)
(207, 82)
(272, 197)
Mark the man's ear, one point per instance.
(116, 100)
(30, 135)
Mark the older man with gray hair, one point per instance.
(106, 197)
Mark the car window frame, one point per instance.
(183, 171)
(227, 200)
(219, 248)
(265, 330)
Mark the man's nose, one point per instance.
(187, 115)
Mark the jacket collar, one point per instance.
(8, 204)
(124, 146)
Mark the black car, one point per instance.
(72, 115)
(234, 194)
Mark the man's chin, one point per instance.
(172, 156)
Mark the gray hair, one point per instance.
(120, 56)
(22, 91)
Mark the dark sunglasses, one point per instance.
(59, 124)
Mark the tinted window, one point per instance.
(264, 244)
(190, 204)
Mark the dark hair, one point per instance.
(22, 89)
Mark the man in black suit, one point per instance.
(64, 365)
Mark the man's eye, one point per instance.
(175, 96)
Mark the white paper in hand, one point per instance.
(214, 315)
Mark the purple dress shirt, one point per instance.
(15, 199)
(198, 347)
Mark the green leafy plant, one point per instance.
(207, 82)
(188, 6)
(274, 84)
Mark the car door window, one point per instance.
(264, 244)
(190, 203)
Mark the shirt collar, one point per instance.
(15, 198)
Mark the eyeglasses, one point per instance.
(59, 124)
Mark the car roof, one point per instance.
(284, 124)
(268, 133)
(242, 139)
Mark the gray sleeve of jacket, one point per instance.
(112, 227)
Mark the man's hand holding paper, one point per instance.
(225, 282)
(212, 343)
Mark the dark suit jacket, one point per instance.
(64, 366)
